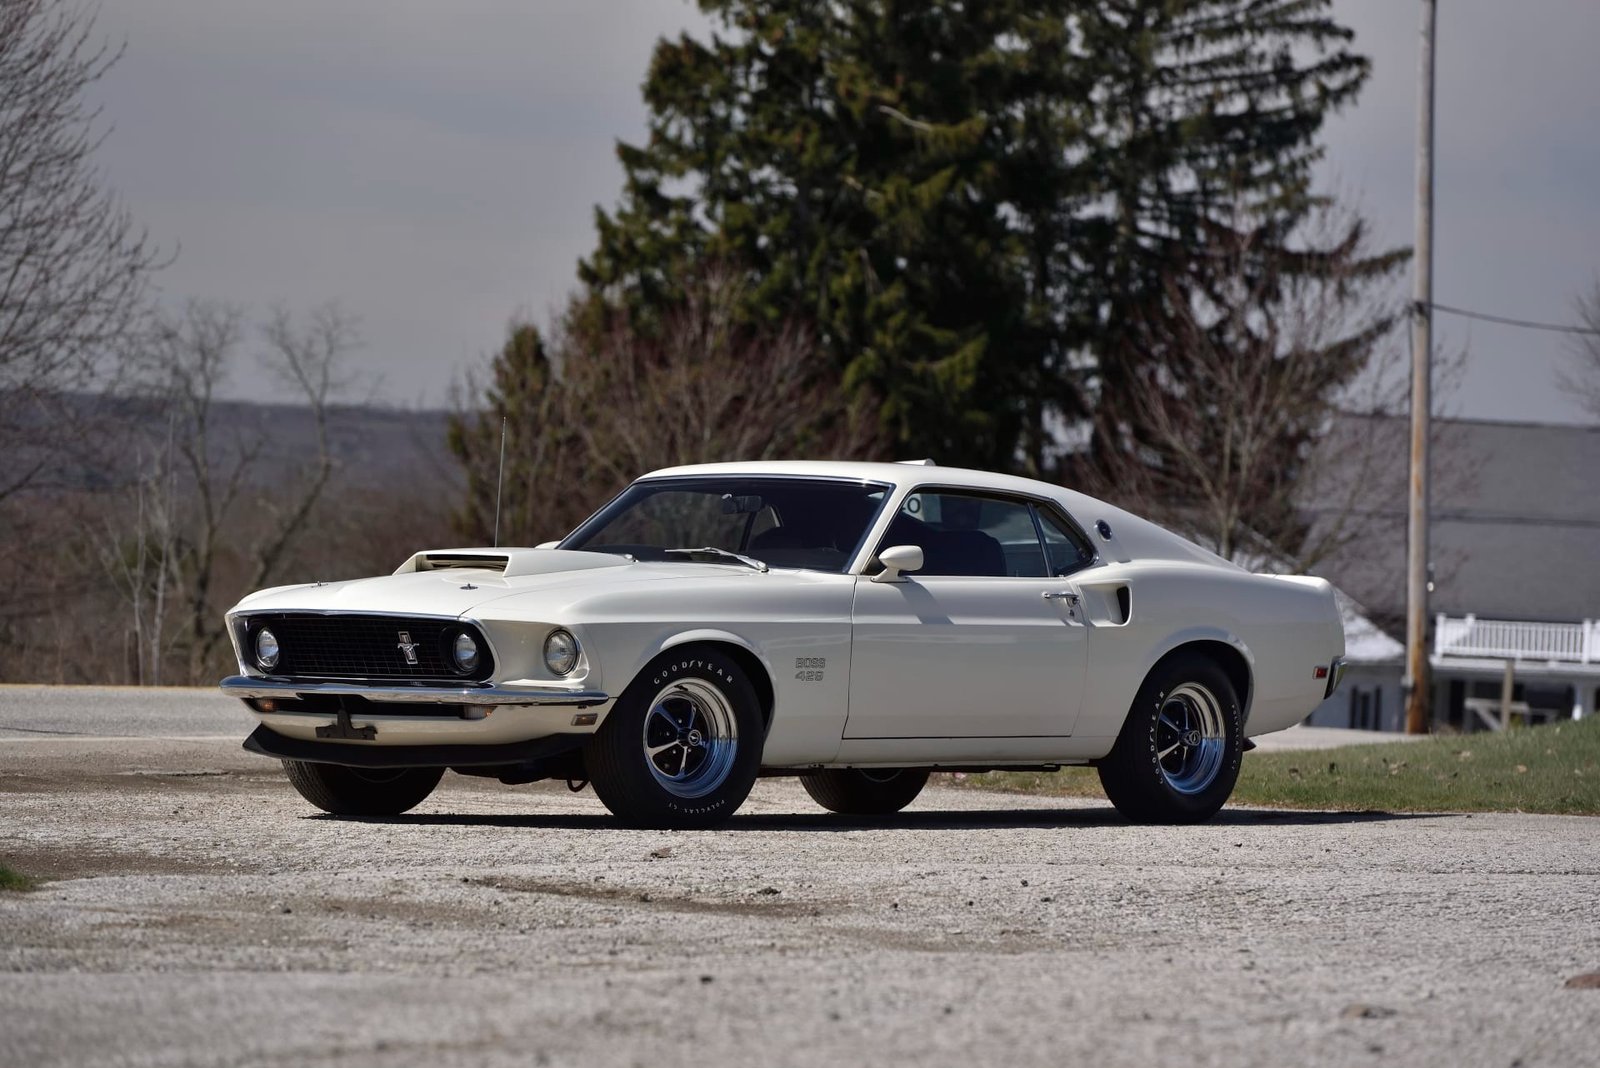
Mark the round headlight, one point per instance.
(560, 652)
(464, 650)
(266, 648)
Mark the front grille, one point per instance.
(367, 647)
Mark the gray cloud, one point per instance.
(1517, 144)
(436, 166)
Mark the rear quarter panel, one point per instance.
(1283, 629)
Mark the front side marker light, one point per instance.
(560, 652)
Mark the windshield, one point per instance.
(811, 523)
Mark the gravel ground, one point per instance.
(197, 912)
(28, 711)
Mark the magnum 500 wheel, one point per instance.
(1177, 757)
(683, 745)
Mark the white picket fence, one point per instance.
(1508, 639)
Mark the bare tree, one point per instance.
(73, 266)
(1242, 372)
(311, 359)
(214, 467)
(141, 567)
(603, 399)
(708, 387)
(1582, 375)
(190, 354)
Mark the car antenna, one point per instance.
(499, 481)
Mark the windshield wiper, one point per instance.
(721, 554)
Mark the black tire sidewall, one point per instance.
(352, 791)
(1135, 765)
(852, 792)
(617, 763)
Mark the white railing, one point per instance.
(1507, 639)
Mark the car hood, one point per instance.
(537, 584)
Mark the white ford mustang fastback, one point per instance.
(858, 625)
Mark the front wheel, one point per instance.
(865, 791)
(683, 745)
(347, 791)
(1177, 758)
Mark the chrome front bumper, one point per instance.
(245, 686)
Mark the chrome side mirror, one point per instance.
(898, 558)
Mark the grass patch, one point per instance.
(1550, 769)
(11, 879)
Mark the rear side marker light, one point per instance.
(1321, 672)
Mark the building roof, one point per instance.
(1364, 641)
(1515, 517)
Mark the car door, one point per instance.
(986, 640)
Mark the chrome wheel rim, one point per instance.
(690, 738)
(1191, 738)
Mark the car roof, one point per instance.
(897, 474)
(1135, 537)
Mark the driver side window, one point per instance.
(968, 534)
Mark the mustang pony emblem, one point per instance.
(408, 647)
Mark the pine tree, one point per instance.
(970, 204)
(1205, 135)
(540, 495)
(856, 160)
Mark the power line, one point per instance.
(1526, 324)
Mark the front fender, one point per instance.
(807, 720)
(703, 634)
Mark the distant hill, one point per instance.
(374, 447)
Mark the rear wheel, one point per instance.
(683, 745)
(347, 791)
(1177, 758)
(865, 791)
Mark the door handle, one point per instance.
(1066, 595)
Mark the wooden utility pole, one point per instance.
(1508, 686)
(1416, 683)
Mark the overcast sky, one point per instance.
(435, 165)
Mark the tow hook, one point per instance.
(341, 727)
